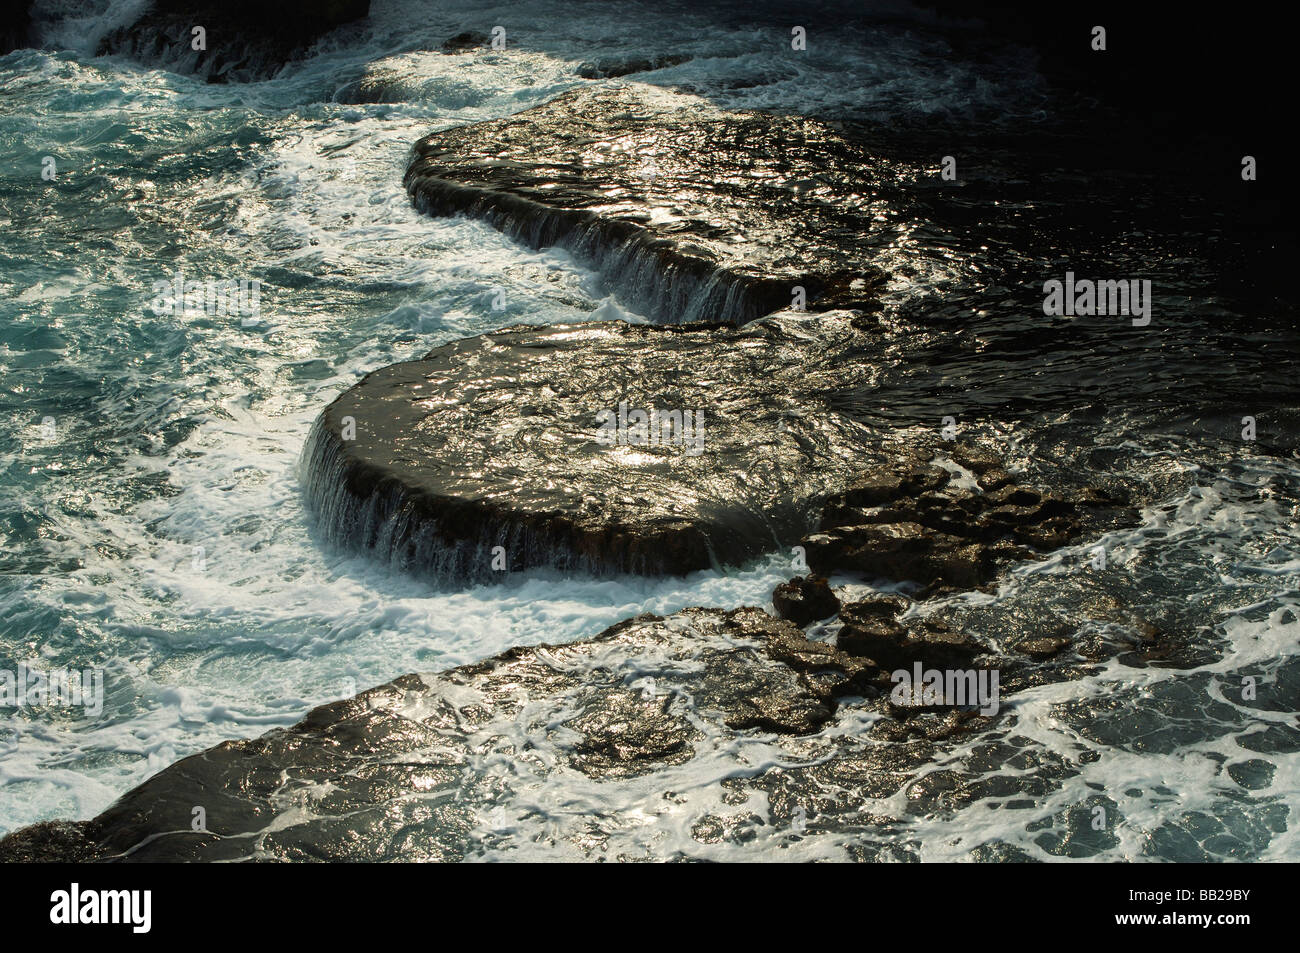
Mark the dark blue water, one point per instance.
(150, 504)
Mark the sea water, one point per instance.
(152, 522)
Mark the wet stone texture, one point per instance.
(521, 449)
(486, 455)
(406, 770)
(614, 66)
(692, 213)
(495, 441)
(246, 40)
(911, 520)
(685, 719)
(805, 599)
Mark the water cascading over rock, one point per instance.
(690, 212)
(496, 441)
(486, 455)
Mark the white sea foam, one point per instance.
(186, 433)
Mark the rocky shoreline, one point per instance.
(487, 456)
(490, 448)
(385, 775)
(690, 212)
(242, 40)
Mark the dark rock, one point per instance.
(469, 40)
(891, 645)
(381, 84)
(869, 636)
(692, 212)
(881, 606)
(246, 40)
(627, 734)
(383, 776)
(931, 722)
(909, 521)
(883, 486)
(612, 67)
(1157, 648)
(493, 441)
(993, 479)
(899, 551)
(49, 842)
(805, 600)
(834, 672)
(1042, 647)
(978, 460)
(489, 455)
(15, 24)
(1254, 775)
(764, 698)
(1014, 496)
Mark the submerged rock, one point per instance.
(521, 448)
(243, 39)
(463, 42)
(382, 84)
(402, 771)
(611, 67)
(691, 212)
(404, 77)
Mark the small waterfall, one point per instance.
(653, 275)
(82, 24)
(452, 541)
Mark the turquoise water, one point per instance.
(173, 432)
(150, 509)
